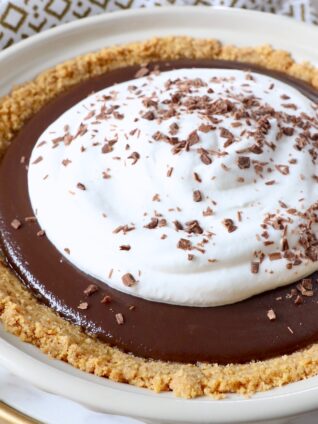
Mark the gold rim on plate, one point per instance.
(9, 415)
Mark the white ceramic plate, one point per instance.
(22, 62)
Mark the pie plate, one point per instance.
(23, 62)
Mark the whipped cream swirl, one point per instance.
(193, 187)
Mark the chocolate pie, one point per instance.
(159, 216)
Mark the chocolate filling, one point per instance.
(261, 327)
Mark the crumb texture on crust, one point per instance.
(34, 323)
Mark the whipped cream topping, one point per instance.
(194, 187)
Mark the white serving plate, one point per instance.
(26, 59)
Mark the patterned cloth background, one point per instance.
(22, 18)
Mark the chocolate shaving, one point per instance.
(66, 162)
(150, 116)
(307, 283)
(283, 169)
(184, 244)
(30, 219)
(229, 225)
(169, 172)
(193, 138)
(106, 299)
(289, 131)
(89, 115)
(207, 212)
(178, 225)
(142, 72)
(305, 287)
(290, 106)
(193, 227)
(16, 224)
(107, 148)
(91, 289)
(271, 315)
(197, 177)
(197, 196)
(152, 224)
(243, 162)
(124, 228)
(162, 222)
(254, 267)
(128, 280)
(134, 156)
(205, 159)
(205, 128)
(173, 128)
(37, 160)
(257, 150)
(275, 256)
(284, 244)
(119, 318)
(81, 186)
(106, 175)
(299, 300)
(125, 247)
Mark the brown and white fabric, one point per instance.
(21, 18)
